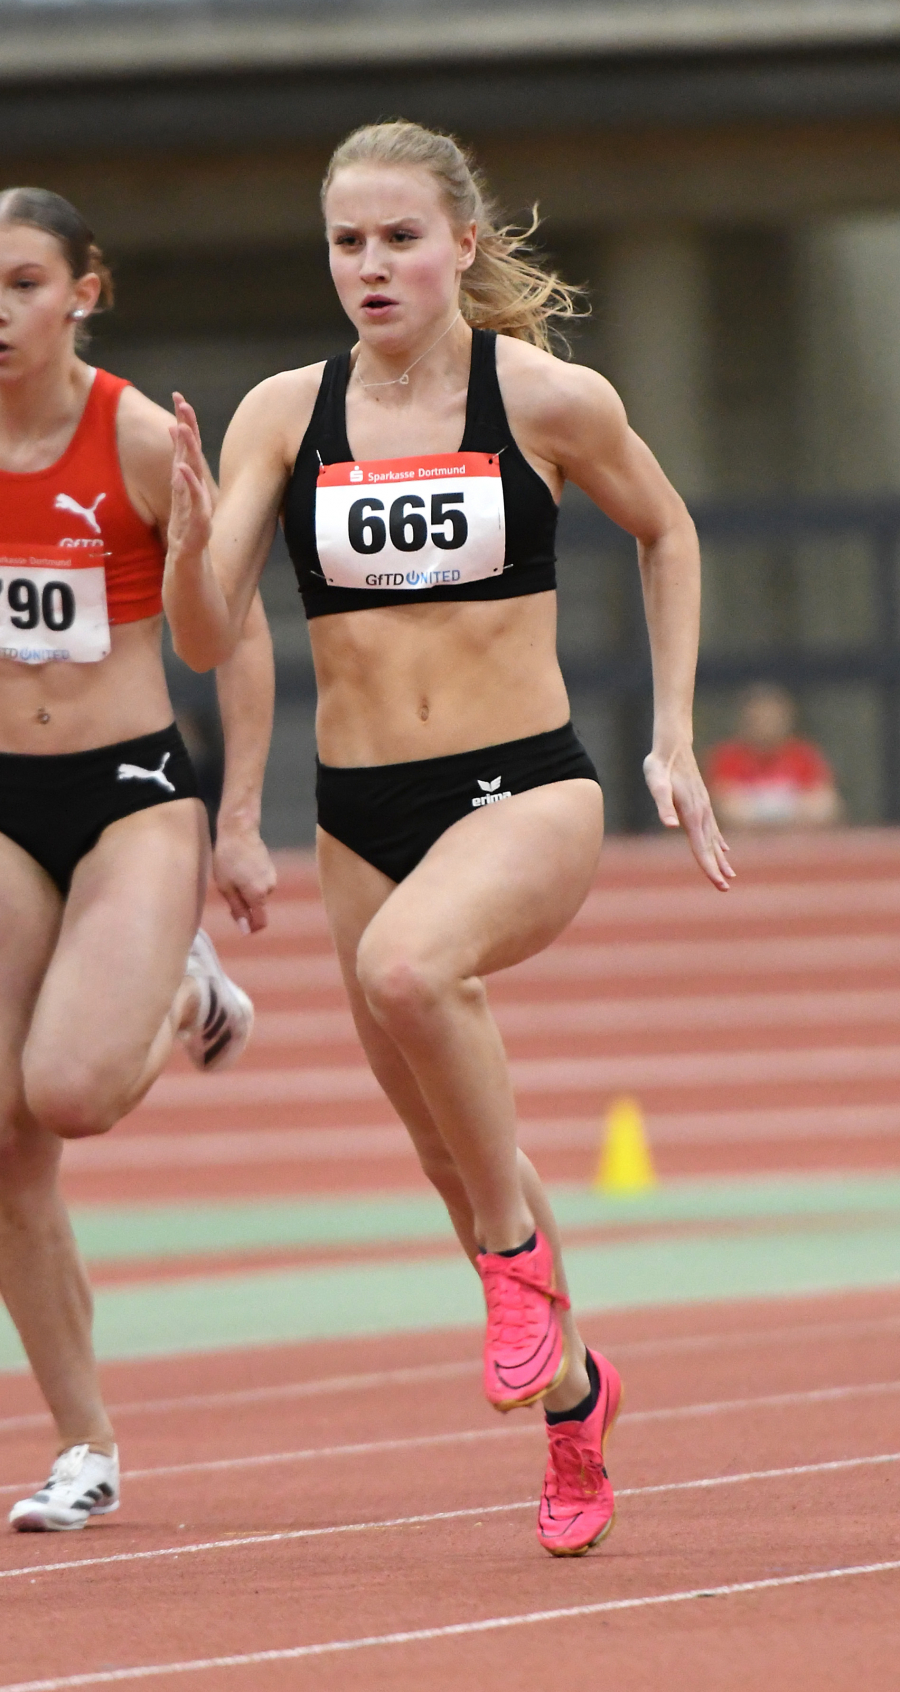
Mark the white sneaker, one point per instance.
(224, 1020)
(82, 1483)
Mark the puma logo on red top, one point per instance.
(72, 513)
(65, 502)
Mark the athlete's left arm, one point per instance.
(577, 422)
(243, 870)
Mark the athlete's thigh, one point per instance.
(353, 891)
(500, 884)
(131, 914)
(30, 911)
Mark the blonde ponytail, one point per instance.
(507, 288)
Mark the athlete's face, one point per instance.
(396, 259)
(38, 296)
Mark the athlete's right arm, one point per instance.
(215, 557)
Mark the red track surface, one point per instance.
(233, 1599)
(759, 1029)
(673, 988)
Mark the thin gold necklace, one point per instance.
(403, 381)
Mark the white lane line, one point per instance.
(491, 1624)
(768, 1401)
(731, 1068)
(690, 1011)
(732, 956)
(422, 1373)
(643, 907)
(266, 1394)
(291, 1534)
(372, 1448)
(226, 1147)
(796, 1333)
(309, 1454)
(762, 1474)
(802, 954)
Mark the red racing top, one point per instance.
(80, 502)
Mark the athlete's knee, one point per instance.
(73, 1100)
(405, 982)
(401, 988)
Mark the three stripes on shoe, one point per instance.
(215, 1027)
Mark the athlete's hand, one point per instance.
(682, 801)
(244, 873)
(190, 518)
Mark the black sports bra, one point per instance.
(364, 516)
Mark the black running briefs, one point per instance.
(391, 814)
(56, 806)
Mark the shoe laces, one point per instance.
(576, 1466)
(68, 1466)
(510, 1317)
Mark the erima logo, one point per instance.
(356, 474)
(65, 502)
(489, 794)
(135, 772)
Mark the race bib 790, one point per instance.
(52, 605)
(411, 523)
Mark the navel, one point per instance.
(424, 711)
(43, 715)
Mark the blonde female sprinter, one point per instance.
(104, 847)
(460, 820)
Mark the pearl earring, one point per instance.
(78, 315)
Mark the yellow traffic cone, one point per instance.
(625, 1164)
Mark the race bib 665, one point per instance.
(411, 523)
(52, 605)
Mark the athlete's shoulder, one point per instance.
(552, 393)
(142, 425)
(273, 416)
(281, 394)
(144, 442)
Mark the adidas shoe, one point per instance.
(224, 1020)
(577, 1506)
(82, 1483)
(524, 1348)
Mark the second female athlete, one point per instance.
(460, 820)
(104, 844)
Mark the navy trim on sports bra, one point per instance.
(530, 509)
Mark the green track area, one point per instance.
(824, 1234)
(127, 1233)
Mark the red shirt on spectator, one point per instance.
(795, 764)
(766, 776)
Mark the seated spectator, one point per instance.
(767, 777)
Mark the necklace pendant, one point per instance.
(403, 381)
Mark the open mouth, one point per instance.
(377, 303)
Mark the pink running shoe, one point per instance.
(577, 1505)
(524, 1348)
